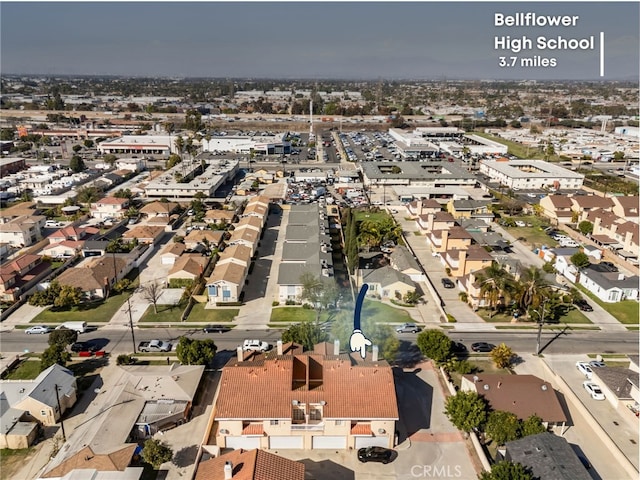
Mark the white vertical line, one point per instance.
(602, 54)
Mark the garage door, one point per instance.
(381, 441)
(286, 442)
(248, 443)
(329, 442)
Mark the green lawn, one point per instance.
(515, 148)
(27, 370)
(379, 312)
(293, 314)
(627, 311)
(172, 314)
(533, 235)
(572, 316)
(371, 216)
(90, 312)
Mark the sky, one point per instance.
(324, 40)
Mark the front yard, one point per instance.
(172, 314)
(90, 312)
(571, 316)
(627, 311)
(377, 311)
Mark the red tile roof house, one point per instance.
(250, 465)
(15, 275)
(305, 400)
(110, 207)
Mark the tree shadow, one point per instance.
(327, 469)
(185, 456)
(414, 402)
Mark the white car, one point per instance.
(39, 329)
(593, 390)
(520, 223)
(585, 369)
(255, 346)
(52, 224)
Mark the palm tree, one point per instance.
(531, 289)
(88, 195)
(495, 284)
(179, 144)
(369, 233)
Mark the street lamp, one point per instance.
(540, 327)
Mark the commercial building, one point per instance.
(139, 144)
(531, 174)
(263, 144)
(429, 175)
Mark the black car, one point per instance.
(375, 454)
(583, 305)
(609, 266)
(83, 347)
(458, 347)
(446, 283)
(483, 347)
(215, 329)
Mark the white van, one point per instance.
(79, 327)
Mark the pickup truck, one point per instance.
(154, 346)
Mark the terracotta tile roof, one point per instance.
(523, 395)
(75, 245)
(229, 272)
(20, 263)
(159, 207)
(361, 429)
(112, 201)
(115, 461)
(253, 429)
(252, 465)
(273, 378)
(591, 201)
(560, 201)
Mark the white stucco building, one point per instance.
(531, 174)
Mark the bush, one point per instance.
(124, 359)
(275, 303)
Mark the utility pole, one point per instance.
(540, 329)
(64, 436)
(133, 337)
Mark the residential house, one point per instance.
(404, 262)
(557, 208)
(16, 431)
(226, 283)
(455, 238)
(72, 232)
(189, 266)
(386, 283)
(303, 402)
(610, 287)
(560, 258)
(20, 232)
(619, 385)
(110, 207)
(626, 206)
(435, 221)
(249, 465)
(64, 249)
(254, 223)
(143, 400)
(218, 217)
(462, 262)
(423, 207)
(94, 248)
(16, 274)
(37, 398)
(149, 234)
(548, 456)
(247, 237)
(583, 204)
(159, 210)
(522, 395)
(211, 238)
(478, 209)
(240, 254)
(97, 276)
(171, 252)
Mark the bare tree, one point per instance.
(152, 293)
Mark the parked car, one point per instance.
(585, 369)
(83, 347)
(38, 329)
(52, 224)
(216, 329)
(597, 364)
(458, 347)
(609, 266)
(583, 305)
(483, 347)
(446, 283)
(408, 328)
(255, 346)
(376, 454)
(594, 390)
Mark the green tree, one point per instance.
(123, 193)
(76, 148)
(55, 353)
(580, 260)
(123, 285)
(87, 195)
(173, 160)
(411, 298)
(502, 356)
(531, 289)
(195, 352)
(434, 344)
(585, 227)
(466, 410)
(76, 164)
(63, 336)
(193, 120)
(69, 296)
(548, 267)
(506, 471)
(380, 334)
(495, 285)
(502, 427)
(88, 143)
(319, 293)
(156, 453)
(110, 159)
(532, 426)
(306, 334)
